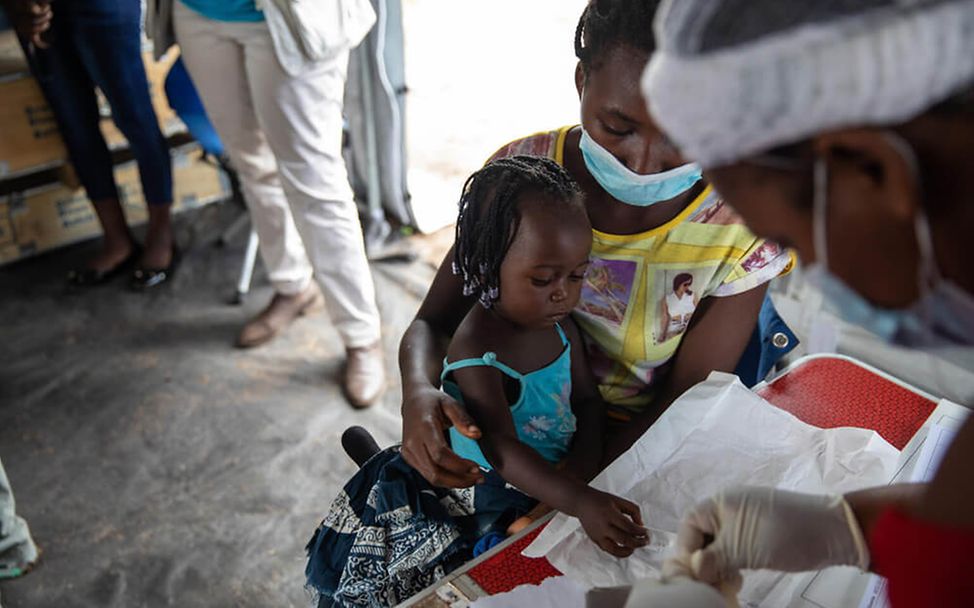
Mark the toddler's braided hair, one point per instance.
(489, 216)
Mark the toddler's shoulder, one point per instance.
(474, 337)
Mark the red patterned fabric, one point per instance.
(509, 568)
(831, 392)
(855, 396)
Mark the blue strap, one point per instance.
(489, 359)
(561, 334)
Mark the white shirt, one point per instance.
(680, 310)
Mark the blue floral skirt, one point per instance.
(391, 534)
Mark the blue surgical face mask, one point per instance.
(942, 317)
(630, 187)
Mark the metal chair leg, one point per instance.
(247, 268)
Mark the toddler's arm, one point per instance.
(612, 522)
(583, 461)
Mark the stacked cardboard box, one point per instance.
(58, 213)
(51, 216)
(29, 137)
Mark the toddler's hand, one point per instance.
(613, 523)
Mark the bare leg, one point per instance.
(158, 238)
(117, 243)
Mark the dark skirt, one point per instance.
(391, 534)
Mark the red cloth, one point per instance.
(509, 568)
(927, 565)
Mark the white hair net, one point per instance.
(732, 78)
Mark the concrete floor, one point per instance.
(156, 464)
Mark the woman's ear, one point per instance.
(873, 198)
(872, 166)
(579, 78)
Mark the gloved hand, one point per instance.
(766, 528)
(680, 592)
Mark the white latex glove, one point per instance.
(766, 528)
(678, 592)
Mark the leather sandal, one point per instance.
(365, 377)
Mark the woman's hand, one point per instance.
(31, 19)
(613, 523)
(426, 414)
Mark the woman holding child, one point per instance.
(596, 220)
(653, 218)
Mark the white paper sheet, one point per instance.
(875, 595)
(716, 435)
(934, 448)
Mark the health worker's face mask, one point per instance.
(630, 187)
(942, 317)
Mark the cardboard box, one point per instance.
(53, 216)
(11, 55)
(29, 136)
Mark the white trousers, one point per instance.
(284, 135)
(17, 548)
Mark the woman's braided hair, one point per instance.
(605, 24)
(489, 216)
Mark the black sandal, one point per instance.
(147, 278)
(90, 277)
